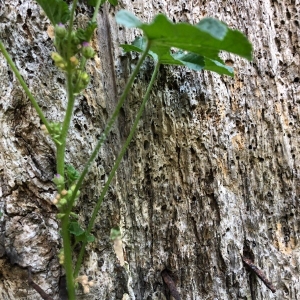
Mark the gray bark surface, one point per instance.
(211, 175)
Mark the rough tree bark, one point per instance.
(212, 174)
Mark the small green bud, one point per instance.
(73, 215)
(62, 66)
(87, 51)
(74, 39)
(80, 81)
(55, 131)
(60, 31)
(59, 61)
(56, 57)
(84, 76)
(62, 201)
(74, 61)
(58, 180)
(60, 216)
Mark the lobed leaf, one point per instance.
(57, 11)
(75, 229)
(128, 19)
(94, 2)
(213, 27)
(113, 2)
(87, 33)
(79, 234)
(216, 66)
(201, 43)
(181, 58)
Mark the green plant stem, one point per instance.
(69, 112)
(74, 5)
(65, 219)
(24, 86)
(107, 129)
(84, 60)
(96, 10)
(60, 156)
(114, 169)
(68, 264)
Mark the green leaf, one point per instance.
(85, 35)
(75, 229)
(113, 2)
(216, 66)
(115, 233)
(202, 42)
(56, 10)
(237, 43)
(138, 45)
(191, 60)
(213, 27)
(90, 238)
(72, 174)
(128, 19)
(79, 233)
(84, 238)
(73, 215)
(94, 2)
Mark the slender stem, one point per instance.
(60, 157)
(74, 5)
(107, 129)
(24, 86)
(96, 10)
(84, 60)
(66, 124)
(65, 127)
(115, 167)
(68, 265)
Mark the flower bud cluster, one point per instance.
(61, 63)
(61, 40)
(59, 181)
(86, 284)
(80, 81)
(64, 196)
(54, 131)
(69, 49)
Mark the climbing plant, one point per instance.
(193, 46)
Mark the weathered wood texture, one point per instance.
(212, 174)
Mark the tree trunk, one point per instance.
(211, 176)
